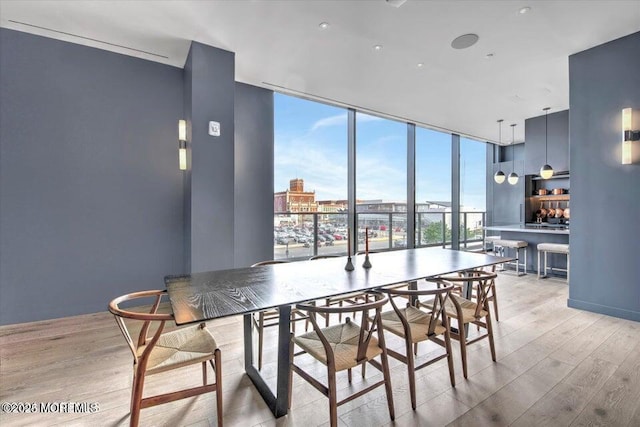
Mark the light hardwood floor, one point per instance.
(556, 367)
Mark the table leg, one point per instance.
(278, 402)
(413, 285)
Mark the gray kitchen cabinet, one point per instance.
(558, 143)
(508, 200)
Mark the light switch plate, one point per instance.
(214, 128)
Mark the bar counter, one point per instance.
(533, 234)
(543, 228)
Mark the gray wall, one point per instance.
(253, 175)
(90, 191)
(210, 90)
(605, 195)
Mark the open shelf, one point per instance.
(557, 197)
(558, 176)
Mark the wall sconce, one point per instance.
(182, 144)
(628, 136)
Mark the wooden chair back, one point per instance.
(440, 294)
(481, 280)
(376, 301)
(147, 342)
(152, 316)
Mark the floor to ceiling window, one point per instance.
(433, 187)
(311, 175)
(381, 181)
(473, 192)
(310, 178)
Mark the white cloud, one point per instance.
(340, 120)
(337, 120)
(323, 170)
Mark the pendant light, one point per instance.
(513, 176)
(546, 171)
(499, 177)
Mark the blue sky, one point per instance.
(311, 143)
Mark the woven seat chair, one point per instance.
(492, 297)
(268, 318)
(161, 352)
(415, 325)
(342, 347)
(465, 311)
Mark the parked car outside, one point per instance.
(400, 244)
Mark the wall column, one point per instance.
(209, 83)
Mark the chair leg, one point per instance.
(364, 369)
(387, 383)
(136, 398)
(447, 343)
(218, 362)
(411, 370)
(538, 264)
(490, 333)
(333, 400)
(517, 262)
(293, 323)
(326, 319)
(204, 373)
(260, 338)
(495, 302)
(463, 347)
(349, 375)
(545, 263)
(291, 345)
(133, 394)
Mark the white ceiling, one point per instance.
(280, 44)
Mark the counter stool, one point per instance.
(556, 248)
(517, 245)
(492, 240)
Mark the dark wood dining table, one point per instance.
(243, 291)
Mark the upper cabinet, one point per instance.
(558, 143)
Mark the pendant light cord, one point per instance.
(500, 131)
(513, 150)
(546, 135)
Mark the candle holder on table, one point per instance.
(367, 262)
(349, 266)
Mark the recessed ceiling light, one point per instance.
(377, 47)
(420, 65)
(524, 10)
(464, 41)
(324, 25)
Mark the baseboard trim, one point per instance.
(604, 309)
